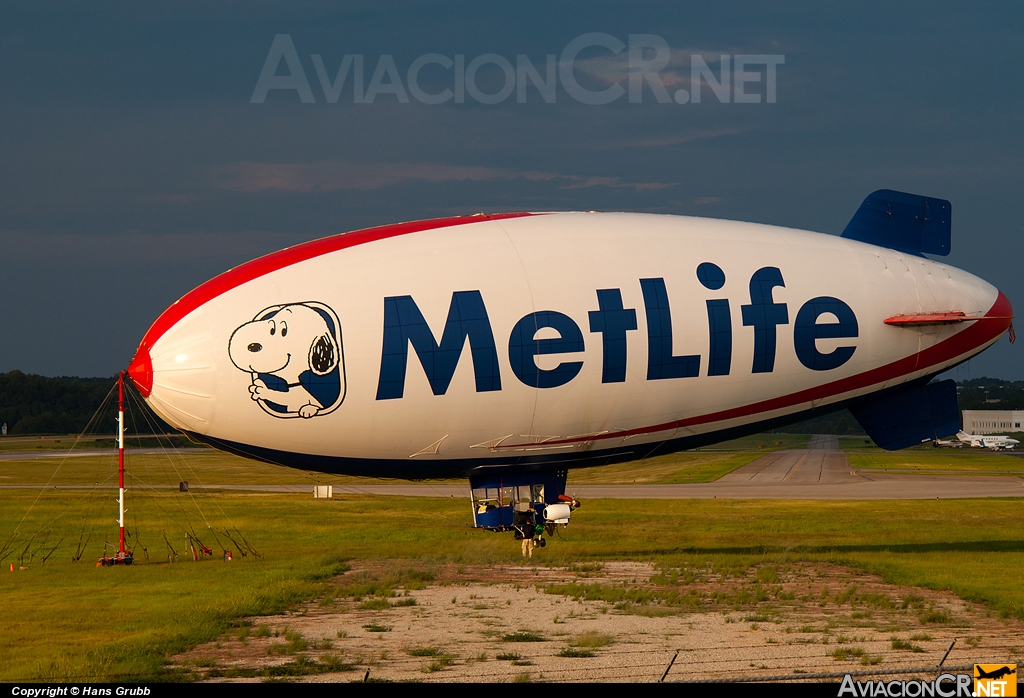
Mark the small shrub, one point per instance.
(898, 644)
(842, 654)
(296, 643)
(574, 652)
(374, 628)
(424, 652)
(442, 661)
(934, 617)
(375, 605)
(333, 662)
(912, 601)
(847, 595)
(592, 639)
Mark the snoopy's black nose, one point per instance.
(254, 347)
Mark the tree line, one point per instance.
(31, 404)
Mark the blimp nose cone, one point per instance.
(140, 371)
(175, 370)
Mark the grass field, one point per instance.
(67, 620)
(74, 620)
(197, 466)
(691, 466)
(964, 461)
(759, 442)
(31, 444)
(206, 466)
(849, 443)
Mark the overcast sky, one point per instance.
(135, 163)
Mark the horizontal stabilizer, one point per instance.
(904, 222)
(928, 319)
(940, 319)
(912, 416)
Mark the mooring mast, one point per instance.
(123, 556)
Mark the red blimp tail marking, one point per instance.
(141, 370)
(999, 318)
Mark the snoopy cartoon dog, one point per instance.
(293, 354)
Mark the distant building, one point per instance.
(993, 421)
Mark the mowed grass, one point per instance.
(197, 466)
(939, 460)
(699, 465)
(760, 442)
(686, 467)
(203, 466)
(67, 620)
(77, 621)
(30, 444)
(859, 443)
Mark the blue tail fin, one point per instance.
(912, 416)
(905, 222)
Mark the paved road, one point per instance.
(824, 441)
(793, 468)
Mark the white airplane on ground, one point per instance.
(996, 443)
(592, 338)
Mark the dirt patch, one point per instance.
(616, 621)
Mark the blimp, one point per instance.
(509, 348)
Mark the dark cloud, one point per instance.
(133, 165)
